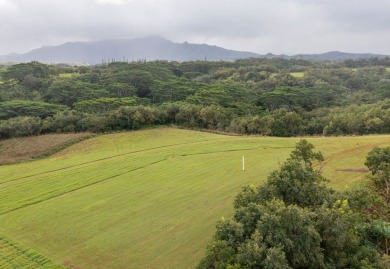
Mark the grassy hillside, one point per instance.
(147, 199)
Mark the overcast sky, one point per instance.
(261, 26)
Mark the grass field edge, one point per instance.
(52, 151)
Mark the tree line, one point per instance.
(106, 115)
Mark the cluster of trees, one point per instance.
(254, 96)
(15, 108)
(294, 220)
(122, 118)
(113, 114)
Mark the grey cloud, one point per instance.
(279, 26)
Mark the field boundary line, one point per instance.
(231, 150)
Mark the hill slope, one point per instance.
(150, 48)
(336, 55)
(147, 199)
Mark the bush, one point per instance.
(20, 126)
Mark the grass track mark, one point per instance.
(349, 152)
(108, 158)
(79, 188)
(14, 255)
(232, 150)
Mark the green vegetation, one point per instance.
(294, 220)
(16, 108)
(148, 198)
(67, 75)
(13, 255)
(378, 161)
(297, 74)
(276, 97)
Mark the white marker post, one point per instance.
(243, 163)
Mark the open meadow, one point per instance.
(144, 199)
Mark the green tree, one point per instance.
(120, 90)
(297, 182)
(20, 126)
(67, 92)
(10, 109)
(378, 161)
(19, 72)
(63, 121)
(210, 97)
(103, 105)
(215, 117)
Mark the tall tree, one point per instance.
(378, 161)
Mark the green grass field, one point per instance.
(146, 199)
(68, 75)
(13, 255)
(297, 74)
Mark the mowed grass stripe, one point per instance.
(63, 164)
(70, 172)
(20, 195)
(161, 215)
(104, 160)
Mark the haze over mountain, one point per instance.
(149, 49)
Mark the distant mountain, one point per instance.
(152, 48)
(149, 48)
(327, 56)
(336, 55)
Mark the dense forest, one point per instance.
(276, 97)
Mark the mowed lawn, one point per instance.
(148, 199)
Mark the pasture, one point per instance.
(147, 199)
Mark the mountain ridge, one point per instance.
(153, 48)
(149, 48)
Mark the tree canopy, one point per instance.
(277, 97)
